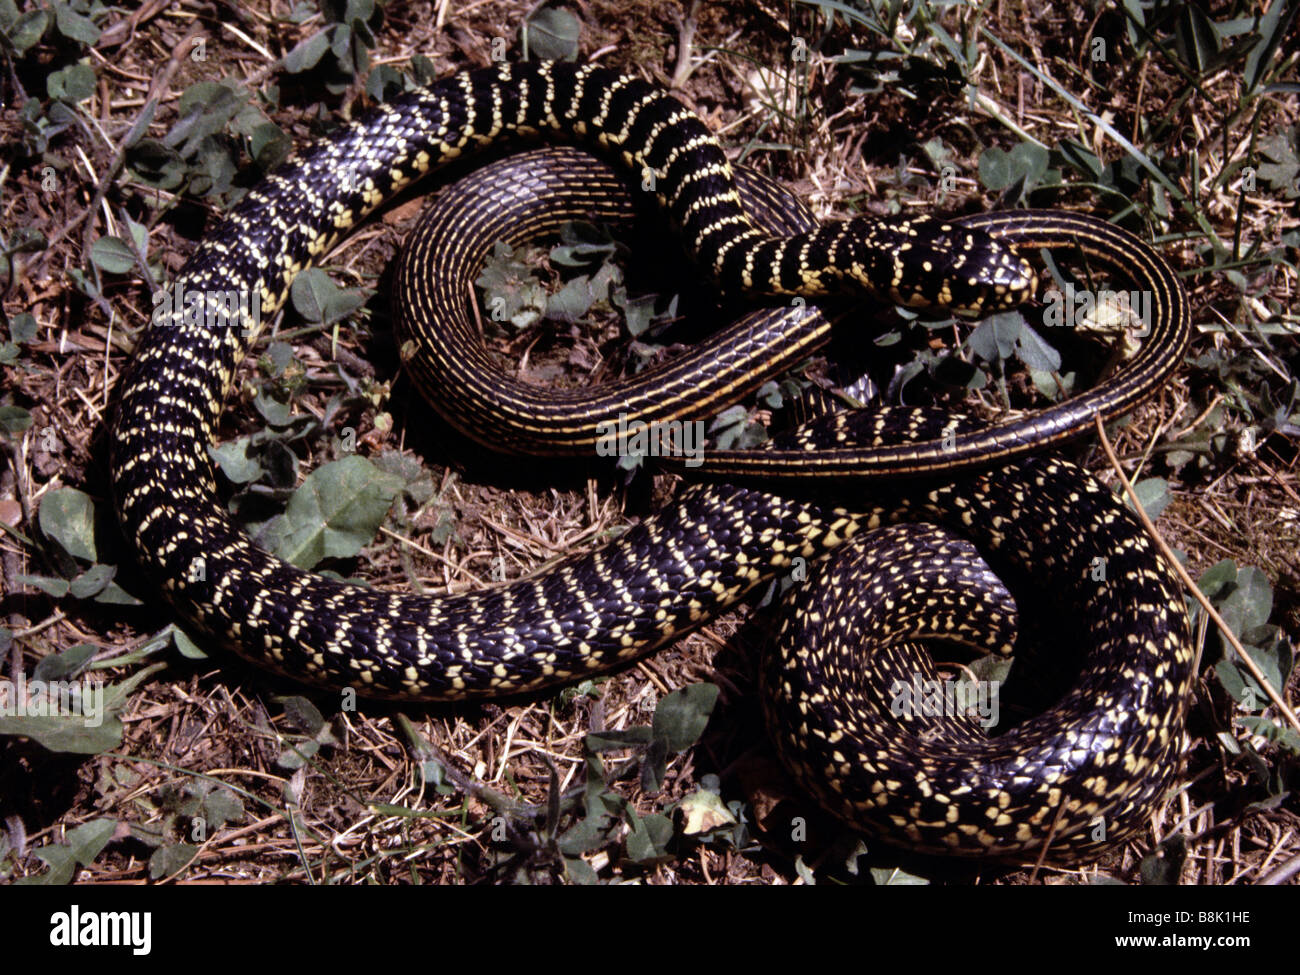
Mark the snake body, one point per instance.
(446, 352)
(1080, 777)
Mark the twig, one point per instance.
(1282, 874)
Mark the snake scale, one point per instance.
(1078, 777)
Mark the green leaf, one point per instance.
(58, 588)
(205, 108)
(614, 740)
(1025, 164)
(67, 733)
(512, 292)
(1031, 160)
(115, 595)
(1250, 603)
(647, 843)
(1217, 579)
(358, 11)
(14, 419)
(68, 516)
(894, 877)
(63, 665)
(83, 283)
(269, 145)
(1282, 167)
(769, 396)
(580, 872)
(1196, 38)
(75, 83)
(140, 126)
(139, 237)
(552, 34)
(1033, 350)
(22, 328)
(319, 300)
(112, 254)
(639, 314)
(1154, 494)
(222, 806)
(336, 511)
(341, 43)
(187, 647)
(1273, 27)
(302, 714)
(92, 582)
(307, 54)
(84, 843)
(171, 859)
(996, 169)
(1273, 660)
(384, 80)
(299, 755)
(681, 716)
(236, 460)
(572, 301)
(995, 339)
(28, 29)
(87, 841)
(279, 356)
(419, 486)
(589, 832)
(654, 765)
(1272, 731)
(1081, 158)
(277, 412)
(157, 164)
(115, 695)
(583, 245)
(423, 69)
(74, 26)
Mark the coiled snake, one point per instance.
(1079, 776)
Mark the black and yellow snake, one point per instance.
(1079, 777)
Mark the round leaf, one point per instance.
(553, 34)
(75, 83)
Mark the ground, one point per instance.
(115, 164)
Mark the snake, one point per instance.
(1076, 779)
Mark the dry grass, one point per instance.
(361, 808)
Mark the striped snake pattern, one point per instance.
(1079, 777)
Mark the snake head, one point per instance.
(929, 263)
